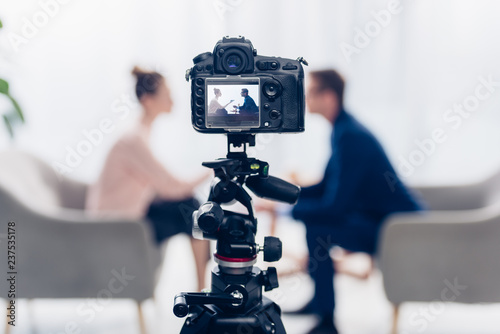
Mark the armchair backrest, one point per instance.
(462, 197)
(36, 184)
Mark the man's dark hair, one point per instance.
(330, 80)
(244, 90)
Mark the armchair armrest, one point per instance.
(69, 256)
(421, 254)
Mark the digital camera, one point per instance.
(234, 90)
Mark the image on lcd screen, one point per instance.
(233, 104)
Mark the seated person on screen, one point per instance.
(249, 107)
(215, 107)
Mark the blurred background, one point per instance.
(424, 79)
(73, 69)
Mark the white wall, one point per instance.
(75, 71)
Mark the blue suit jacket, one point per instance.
(359, 181)
(249, 106)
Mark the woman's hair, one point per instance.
(216, 91)
(147, 81)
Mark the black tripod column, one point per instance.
(236, 303)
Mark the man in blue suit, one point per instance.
(358, 190)
(249, 107)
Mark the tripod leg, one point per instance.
(142, 323)
(395, 318)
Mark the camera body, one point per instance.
(234, 90)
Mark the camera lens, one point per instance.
(233, 61)
(272, 89)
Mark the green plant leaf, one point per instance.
(8, 126)
(4, 87)
(1, 25)
(17, 108)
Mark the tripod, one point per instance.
(235, 303)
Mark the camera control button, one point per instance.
(201, 57)
(199, 121)
(274, 114)
(199, 91)
(208, 67)
(274, 65)
(289, 66)
(199, 81)
(199, 68)
(271, 89)
(261, 65)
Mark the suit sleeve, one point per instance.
(343, 177)
(314, 191)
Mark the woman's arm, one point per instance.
(142, 161)
(226, 104)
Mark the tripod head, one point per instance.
(236, 284)
(235, 232)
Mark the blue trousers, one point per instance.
(356, 233)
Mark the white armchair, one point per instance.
(60, 251)
(455, 244)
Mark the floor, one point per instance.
(361, 304)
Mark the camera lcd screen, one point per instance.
(233, 103)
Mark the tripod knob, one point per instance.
(272, 249)
(270, 279)
(181, 308)
(209, 217)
